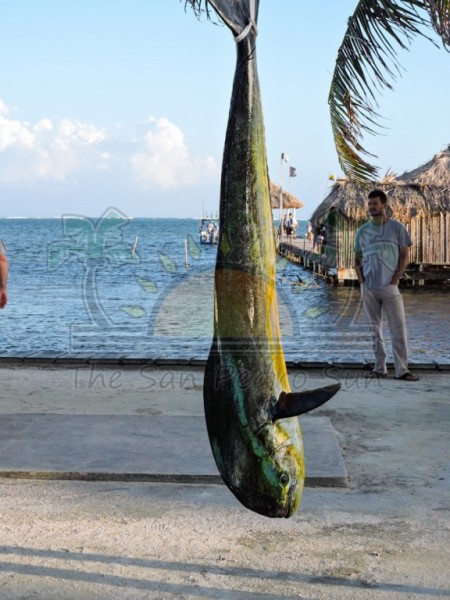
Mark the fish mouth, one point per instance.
(289, 505)
(289, 508)
(268, 507)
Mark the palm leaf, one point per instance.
(234, 13)
(198, 6)
(367, 63)
(202, 7)
(439, 11)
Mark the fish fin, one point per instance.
(292, 404)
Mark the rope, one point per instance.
(251, 24)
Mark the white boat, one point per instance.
(209, 231)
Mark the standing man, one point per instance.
(381, 256)
(289, 226)
(3, 275)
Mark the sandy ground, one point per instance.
(385, 536)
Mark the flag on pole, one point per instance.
(292, 172)
(332, 177)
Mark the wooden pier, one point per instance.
(322, 262)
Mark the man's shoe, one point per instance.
(408, 377)
(376, 375)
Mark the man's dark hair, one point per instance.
(378, 194)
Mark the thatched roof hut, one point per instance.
(420, 199)
(289, 200)
(423, 191)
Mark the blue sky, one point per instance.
(112, 103)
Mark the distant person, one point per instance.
(289, 226)
(381, 256)
(294, 227)
(285, 220)
(3, 275)
(213, 233)
(309, 232)
(323, 235)
(318, 238)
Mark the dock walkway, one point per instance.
(321, 261)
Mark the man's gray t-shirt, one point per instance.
(380, 247)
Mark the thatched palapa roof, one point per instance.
(289, 200)
(425, 190)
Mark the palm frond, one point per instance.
(199, 7)
(367, 63)
(439, 11)
(233, 13)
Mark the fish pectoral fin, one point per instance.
(292, 404)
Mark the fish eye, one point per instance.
(284, 479)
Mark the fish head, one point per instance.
(275, 484)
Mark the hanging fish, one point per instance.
(251, 415)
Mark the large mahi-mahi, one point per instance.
(251, 414)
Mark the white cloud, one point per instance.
(14, 133)
(165, 159)
(69, 150)
(4, 110)
(72, 131)
(43, 125)
(48, 151)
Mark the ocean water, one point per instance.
(76, 287)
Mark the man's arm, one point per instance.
(402, 264)
(3, 279)
(358, 267)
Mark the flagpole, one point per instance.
(281, 197)
(289, 188)
(292, 173)
(330, 177)
(284, 158)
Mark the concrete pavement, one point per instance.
(384, 535)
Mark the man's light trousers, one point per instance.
(390, 300)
